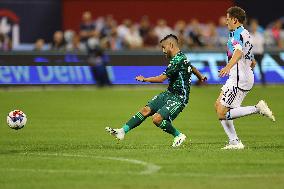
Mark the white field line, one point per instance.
(149, 168)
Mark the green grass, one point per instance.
(64, 144)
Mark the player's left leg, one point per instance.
(165, 125)
(229, 128)
(164, 117)
(228, 125)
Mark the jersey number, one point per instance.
(248, 55)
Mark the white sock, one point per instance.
(229, 128)
(241, 111)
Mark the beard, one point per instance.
(168, 55)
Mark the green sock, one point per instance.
(169, 128)
(136, 120)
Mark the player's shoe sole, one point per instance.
(117, 133)
(238, 146)
(264, 110)
(178, 140)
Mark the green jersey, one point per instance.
(179, 75)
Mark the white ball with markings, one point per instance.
(16, 119)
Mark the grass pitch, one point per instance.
(64, 144)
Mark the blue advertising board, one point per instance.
(207, 63)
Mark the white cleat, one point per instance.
(264, 110)
(238, 146)
(178, 140)
(118, 133)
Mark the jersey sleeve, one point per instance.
(189, 64)
(171, 70)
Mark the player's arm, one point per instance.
(168, 73)
(157, 79)
(235, 58)
(199, 75)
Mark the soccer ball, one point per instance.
(16, 119)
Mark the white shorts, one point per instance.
(232, 96)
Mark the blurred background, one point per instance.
(109, 42)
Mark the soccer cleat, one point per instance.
(264, 110)
(178, 140)
(238, 146)
(118, 133)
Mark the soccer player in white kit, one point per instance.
(239, 68)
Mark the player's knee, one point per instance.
(146, 111)
(221, 113)
(157, 119)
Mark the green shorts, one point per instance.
(167, 105)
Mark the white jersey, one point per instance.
(241, 74)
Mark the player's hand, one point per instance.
(203, 79)
(224, 72)
(140, 78)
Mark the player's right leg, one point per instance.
(153, 105)
(264, 110)
(135, 121)
(237, 111)
(232, 98)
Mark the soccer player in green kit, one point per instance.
(166, 106)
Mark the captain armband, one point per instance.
(238, 47)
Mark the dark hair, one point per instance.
(169, 36)
(238, 13)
